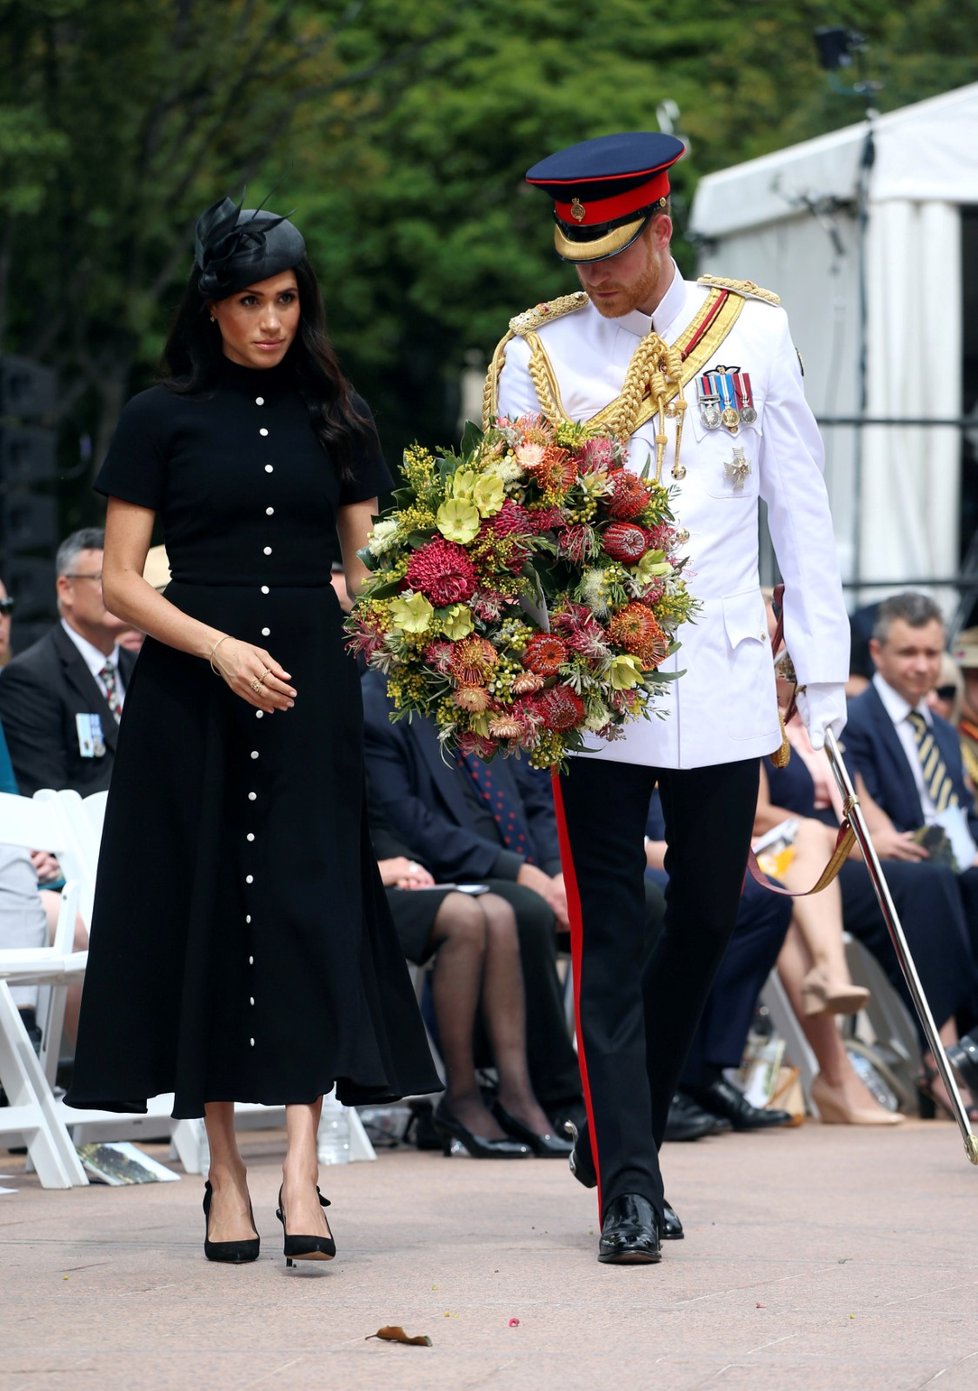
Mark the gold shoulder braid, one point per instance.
(655, 378)
(747, 288)
(522, 324)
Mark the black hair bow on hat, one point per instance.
(235, 247)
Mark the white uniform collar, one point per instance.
(666, 311)
(894, 704)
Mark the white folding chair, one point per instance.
(188, 1138)
(32, 1114)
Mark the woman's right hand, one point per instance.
(253, 674)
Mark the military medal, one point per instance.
(678, 471)
(729, 415)
(709, 404)
(745, 401)
(738, 468)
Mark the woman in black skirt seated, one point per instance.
(474, 941)
(242, 948)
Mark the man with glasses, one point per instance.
(61, 700)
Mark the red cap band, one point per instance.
(595, 212)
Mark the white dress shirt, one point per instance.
(899, 712)
(96, 660)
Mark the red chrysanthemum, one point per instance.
(472, 662)
(625, 542)
(560, 708)
(442, 572)
(634, 628)
(628, 497)
(544, 654)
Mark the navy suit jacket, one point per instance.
(41, 692)
(420, 792)
(872, 747)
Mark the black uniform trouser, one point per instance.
(635, 1023)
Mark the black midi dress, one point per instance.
(241, 943)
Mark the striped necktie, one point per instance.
(113, 697)
(937, 780)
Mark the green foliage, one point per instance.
(400, 133)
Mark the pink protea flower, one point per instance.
(469, 742)
(654, 593)
(581, 631)
(506, 727)
(625, 542)
(474, 699)
(661, 537)
(438, 655)
(442, 572)
(488, 605)
(527, 682)
(596, 454)
(560, 708)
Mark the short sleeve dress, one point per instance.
(241, 944)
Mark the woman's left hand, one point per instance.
(401, 873)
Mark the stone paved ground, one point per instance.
(824, 1257)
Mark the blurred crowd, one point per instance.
(468, 854)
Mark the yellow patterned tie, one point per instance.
(937, 780)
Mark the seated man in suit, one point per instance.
(61, 700)
(501, 832)
(908, 758)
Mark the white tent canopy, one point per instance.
(790, 221)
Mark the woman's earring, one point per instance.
(213, 318)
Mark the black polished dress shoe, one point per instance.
(629, 1232)
(963, 1057)
(722, 1098)
(582, 1167)
(687, 1121)
(543, 1146)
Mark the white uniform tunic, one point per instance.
(724, 707)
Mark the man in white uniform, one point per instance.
(645, 351)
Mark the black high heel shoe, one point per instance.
(454, 1133)
(230, 1252)
(543, 1146)
(305, 1248)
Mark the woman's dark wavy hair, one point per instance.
(193, 355)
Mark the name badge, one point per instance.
(91, 740)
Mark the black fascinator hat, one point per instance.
(235, 247)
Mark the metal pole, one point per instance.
(891, 918)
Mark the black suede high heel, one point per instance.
(305, 1248)
(543, 1146)
(453, 1133)
(230, 1252)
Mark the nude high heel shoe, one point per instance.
(833, 1109)
(820, 995)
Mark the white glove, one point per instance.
(822, 706)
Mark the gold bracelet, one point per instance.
(216, 670)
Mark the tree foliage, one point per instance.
(399, 132)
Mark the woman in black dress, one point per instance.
(242, 949)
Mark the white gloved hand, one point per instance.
(822, 706)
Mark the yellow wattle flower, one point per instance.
(458, 521)
(412, 614)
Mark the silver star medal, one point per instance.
(738, 468)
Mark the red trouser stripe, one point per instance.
(577, 948)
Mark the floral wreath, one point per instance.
(524, 592)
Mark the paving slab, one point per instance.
(822, 1257)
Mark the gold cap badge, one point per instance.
(577, 210)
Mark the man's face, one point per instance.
(4, 629)
(636, 278)
(910, 658)
(80, 600)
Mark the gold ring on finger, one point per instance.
(266, 672)
(256, 686)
